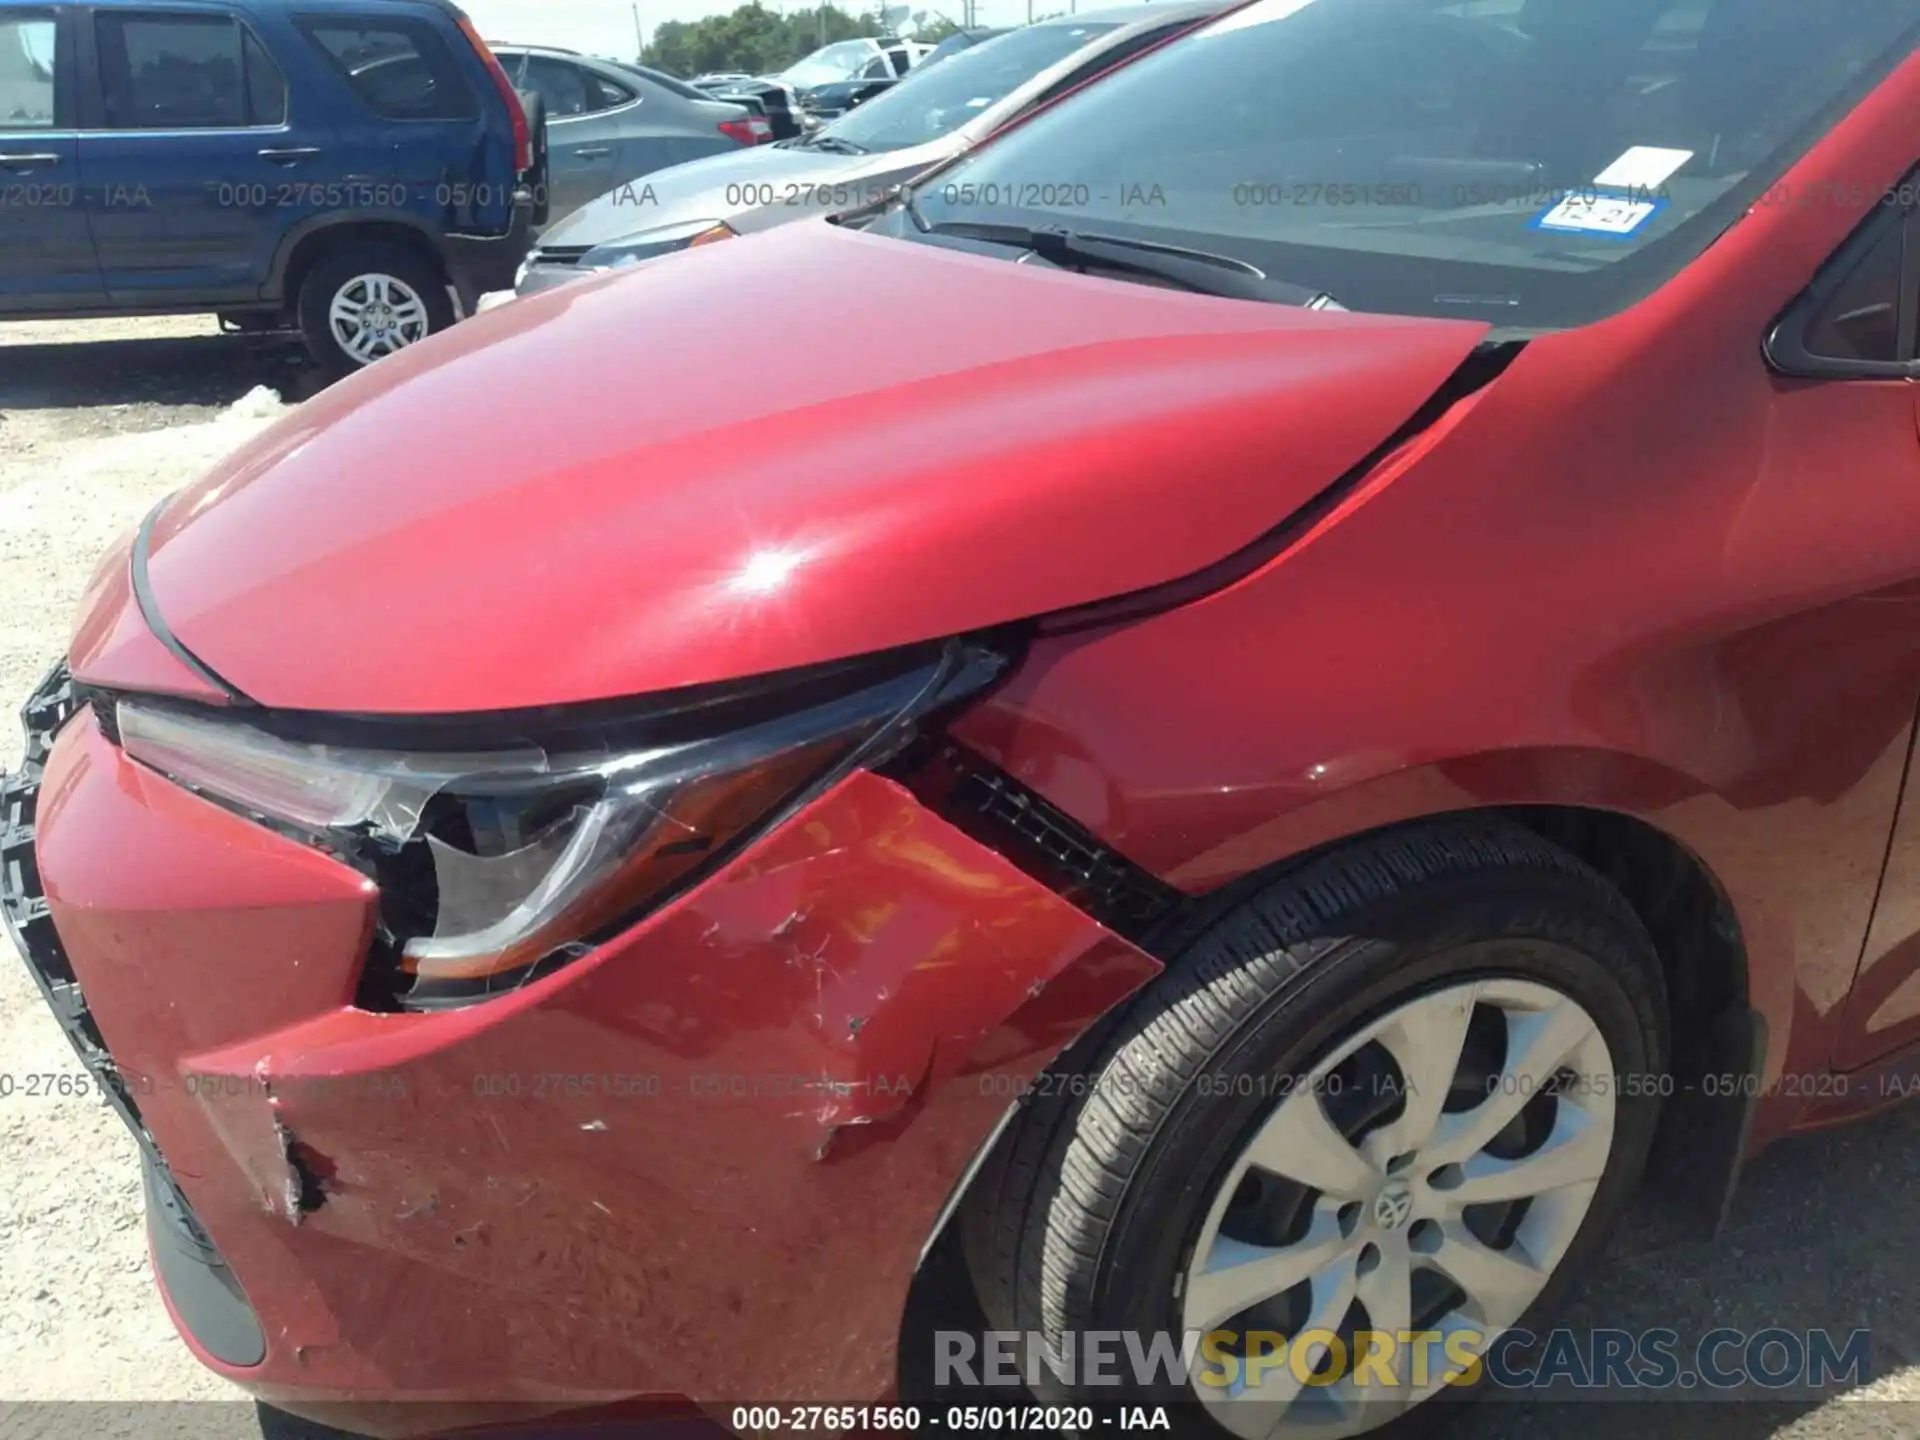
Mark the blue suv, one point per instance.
(339, 168)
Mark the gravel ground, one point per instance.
(98, 420)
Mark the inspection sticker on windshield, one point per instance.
(1644, 167)
(1591, 213)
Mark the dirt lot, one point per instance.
(98, 420)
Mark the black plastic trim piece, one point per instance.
(662, 717)
(1044, 841)
(156, 622)
(26, 915)
(208, 1299)
(1701, 1146)
(1785, 344)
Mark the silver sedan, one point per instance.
(928, 118)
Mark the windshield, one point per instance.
(841, 60)
(932, 101)
(1534, 163)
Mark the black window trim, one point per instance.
(93, 116)
(246, 77)
(628, 85)
(1785, 346)
(423, 31)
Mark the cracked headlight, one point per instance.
(495, 862)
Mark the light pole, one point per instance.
(639, 35)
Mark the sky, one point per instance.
(606, 26)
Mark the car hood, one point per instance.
(594, 493)
(709, 189)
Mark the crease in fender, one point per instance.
(1485, 364)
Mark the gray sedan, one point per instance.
(929, 117)
(608, 122)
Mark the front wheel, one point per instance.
(1404, 1093)
(362, 303)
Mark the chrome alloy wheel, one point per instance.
(1440, 1202)
(372, 316)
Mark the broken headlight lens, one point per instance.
(492, 861)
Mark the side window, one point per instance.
(171, 72)
(608, 94)
(900, 60)
(266, 86)
(562, 86)
(1862, 319)
(402, 70)
(876, 69)
(26, 71)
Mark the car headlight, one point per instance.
(497, 861)
(645, 245)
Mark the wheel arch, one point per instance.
(1688, 912)
(1705, 961)
(1697, 935)
(307, 243)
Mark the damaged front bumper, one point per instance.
(702, 1161)
(200, 1287)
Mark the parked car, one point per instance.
(935, 114)
(687, 90)
(608, 123)
(863, 78)
(826, 103)
(777, 102)
(863, 59)
(335, 167)
(1118, 789)
(785, 98)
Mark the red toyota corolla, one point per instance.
(1242, 704)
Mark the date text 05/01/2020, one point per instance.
(959, 1419)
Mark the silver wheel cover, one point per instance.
(1396, 1203)
(372, 316)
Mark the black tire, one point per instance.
(1086, 1214)
(337, 267)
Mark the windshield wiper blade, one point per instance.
(1202, 271)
